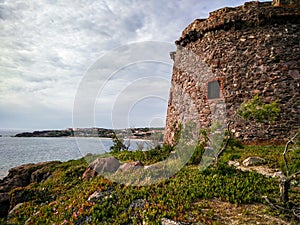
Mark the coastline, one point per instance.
(128, 133)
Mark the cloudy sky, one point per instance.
(48, 47)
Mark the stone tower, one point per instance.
(230, 57)
(287, 3)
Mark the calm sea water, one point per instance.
(17, 151)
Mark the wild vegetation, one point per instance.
(190, 195)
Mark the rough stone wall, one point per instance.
(251, 49)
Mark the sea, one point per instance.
(16, 151)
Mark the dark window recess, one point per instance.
(213, 89)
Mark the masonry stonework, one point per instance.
(251, 49)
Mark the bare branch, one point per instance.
(293, 176)
(275, 206)
(225, 144)
(295, 213)
(286, 150)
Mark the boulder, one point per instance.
(89, 174)
(99, 166)
(130, 166)
(253, 161)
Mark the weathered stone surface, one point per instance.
(251, 49)
(40, 175)
(97, 196)
(253, 161)
(89, 174)
(21, 176)
(136, 207)
(130, 166)
(165, 221)
(279, 175)
(101, 165)
(4, 202)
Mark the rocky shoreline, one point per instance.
(20, 177)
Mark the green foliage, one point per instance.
(118, 144)
(146, 157)
(259, 111)
(197, 155)
(62, 198)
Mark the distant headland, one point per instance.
(141, 133)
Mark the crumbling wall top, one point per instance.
(248, 15)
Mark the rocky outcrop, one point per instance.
(100, 166)
(130, 166)
(19, 177)
(256, 166)
(141, 133)
(111, 166)
(47, 133)
(251, 49)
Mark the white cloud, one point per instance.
(46, 47)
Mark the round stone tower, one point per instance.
(229, 58)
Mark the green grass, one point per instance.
(62, 198)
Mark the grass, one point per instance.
(188, 196)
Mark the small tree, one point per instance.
(285, 181)
(118, 145)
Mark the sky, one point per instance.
(56, 53)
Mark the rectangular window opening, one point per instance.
(213, 89)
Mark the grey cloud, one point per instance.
(47, 47)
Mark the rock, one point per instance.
(136, 207)
(165, 221)
(19, 177)
(138, 204)
(40, 175)
(89, 174)
(253, 161)
(233, 163)
(130, 166)
(279, 175)
(20, 195)
(99, 166)
(83, 220)
(4, 203)
(97, 196)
